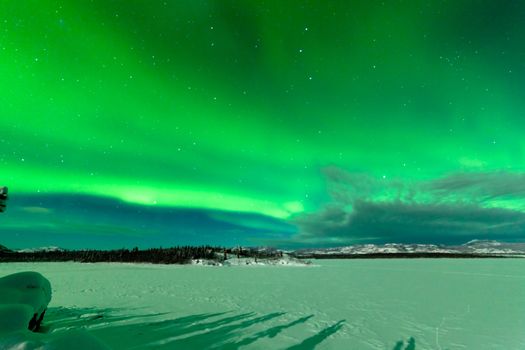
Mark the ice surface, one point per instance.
(338, 304)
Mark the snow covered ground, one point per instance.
(338, 304)
(234, 261)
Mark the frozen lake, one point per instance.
(338, 304)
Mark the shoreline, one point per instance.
(292, 261)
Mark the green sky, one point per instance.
(241, 106)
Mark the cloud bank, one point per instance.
(447, 210)
(75, 221)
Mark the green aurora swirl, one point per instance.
(241, 106)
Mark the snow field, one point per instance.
(338, 304)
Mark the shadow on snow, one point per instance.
(411, 345)
(201, 331)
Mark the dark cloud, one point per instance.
(75, 221)
(381, 222)
(449, 210)
(480, 186)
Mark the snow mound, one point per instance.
(24, 298)
(14, 317)
(206, 262)
(29, 289)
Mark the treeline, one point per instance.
(174, 255)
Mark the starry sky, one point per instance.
(291, 124)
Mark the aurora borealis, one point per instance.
(290, 123)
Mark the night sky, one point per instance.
(282, 123)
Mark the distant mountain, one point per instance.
(4, 249)
(41, 249)
(475, 247)
(494, 247)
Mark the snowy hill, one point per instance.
(4, 249)
(41, 249)
(493, 247)
(475, 247)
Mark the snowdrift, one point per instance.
(31, 292)
(24, 298)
